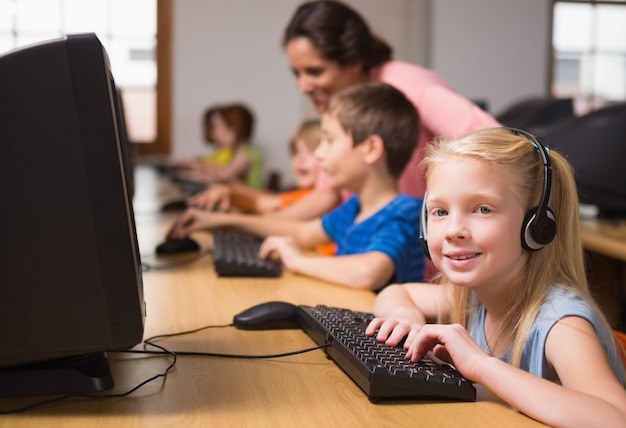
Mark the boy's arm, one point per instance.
(369, 270)
(194, 219)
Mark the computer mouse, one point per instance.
(175, 205)
(177, 246)
(267, 316)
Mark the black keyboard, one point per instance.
(237, 254)
(379, 370)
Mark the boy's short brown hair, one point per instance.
(377, 108)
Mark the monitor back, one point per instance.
(595, 145)
(69, 265)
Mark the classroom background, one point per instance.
(491, 50)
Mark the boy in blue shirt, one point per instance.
(369, 133)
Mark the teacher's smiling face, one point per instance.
(317, 77)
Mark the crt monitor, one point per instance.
(71, 282)
(595, 145)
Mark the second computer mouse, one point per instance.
(267, 316)
(177, 246)
(175, 205)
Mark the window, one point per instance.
(128, 31)
(589, 48)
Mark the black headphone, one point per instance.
(539, 225)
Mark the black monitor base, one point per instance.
(73, 375)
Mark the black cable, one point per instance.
(239, 356)
(161, 351)
(163, 374)
(181, 333)
(149, 341)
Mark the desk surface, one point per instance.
(301, 390)
(606, 237)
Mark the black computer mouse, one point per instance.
(177, 246)
(267, 316)
(175, 205)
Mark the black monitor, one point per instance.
(537, 112)
(595, 145)
(71, 281)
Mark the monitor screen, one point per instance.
(71, 275)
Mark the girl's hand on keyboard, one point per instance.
(451, 343)
(393, 330)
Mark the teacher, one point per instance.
(330, 47)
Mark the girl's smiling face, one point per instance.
(474, 223)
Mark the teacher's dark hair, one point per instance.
(339, 33)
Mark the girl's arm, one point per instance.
(590, 394)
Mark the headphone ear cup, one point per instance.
(422, 232)
(538, 232)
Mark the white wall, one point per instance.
(230, 50)
(496, 50)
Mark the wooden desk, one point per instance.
(605, 237)
(302, 390)
(605, 241)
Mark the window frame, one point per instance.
(162, 145)
(586, 106)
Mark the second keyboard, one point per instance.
(237, 254)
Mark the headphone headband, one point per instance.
(543, 152)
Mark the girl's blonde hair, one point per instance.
(559, 263)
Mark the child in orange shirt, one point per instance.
(305, 168)
(249, 199)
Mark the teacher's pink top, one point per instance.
(442, 112)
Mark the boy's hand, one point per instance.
(285, 247)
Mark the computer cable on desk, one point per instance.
(161, 350)
(98, 396)
(150, 341)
